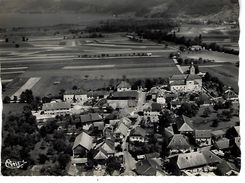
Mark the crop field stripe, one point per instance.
(27, 86)
(13, 68)
(14, 72)
(89, 67)
(6, 80)
(206, 66)
(37, 57)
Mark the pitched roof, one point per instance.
(210, 157)
(218, 133)
(185, 124)
(124, 84)
(178, 141)
(100, 154)
(224, 167)
(237, 128)
(223, 143)
(122, 128)
(148, 167)
(238, 142)
(126, 121)
(138, 131)
(56, 106)
(125, 95)
(156, 107)
(91, 117)
(83, 140)
(179, 77)
(76, 92)
(178, 82)
(191, 160)
(191, 77)
(202, 133)
(97, 93)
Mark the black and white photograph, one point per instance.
(120, 88)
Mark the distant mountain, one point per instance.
(221, 9)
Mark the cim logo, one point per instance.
(14, 164)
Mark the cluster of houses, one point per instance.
(132, 135)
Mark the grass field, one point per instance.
(227, 73)
(203, 123)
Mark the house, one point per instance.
(195, 48)
(218, 134)
(149, 167)
(184, 125)
(123, 99)
(97, 94)
(222, 144)
(178, 143)
(211, 158)
(233, 132)
(82, 145)
(121, 131)
(236, 147)
(203, 137)
(126, 121)
(104, 150)
(137, 134)
(151, 116)
(75, 96)
(186, 82)
(56, 108)
(156, 107)
(42, 119)
(161, 97)
(90, 118)
(193, 162)
(123, 86)
(227, 169)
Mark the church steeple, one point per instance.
(192, 69)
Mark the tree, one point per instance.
(15, 99)
(42, 158)
(6, 100)
(112, 164)
(206, 112)
(59, 145)
(188, 109)
(74, 87)
(26, 97)
(63, 159)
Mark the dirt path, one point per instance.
(27, 86)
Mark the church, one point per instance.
(186, 82)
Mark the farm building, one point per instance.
(56, 108)
(82, 145)
(123, 99)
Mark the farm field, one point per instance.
(212, 55)
(91, 79)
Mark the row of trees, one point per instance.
(160, 36)
(132, 25)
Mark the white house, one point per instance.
(56, 108)
(123, 86)
(75, 96)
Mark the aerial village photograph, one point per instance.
(120, 87)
